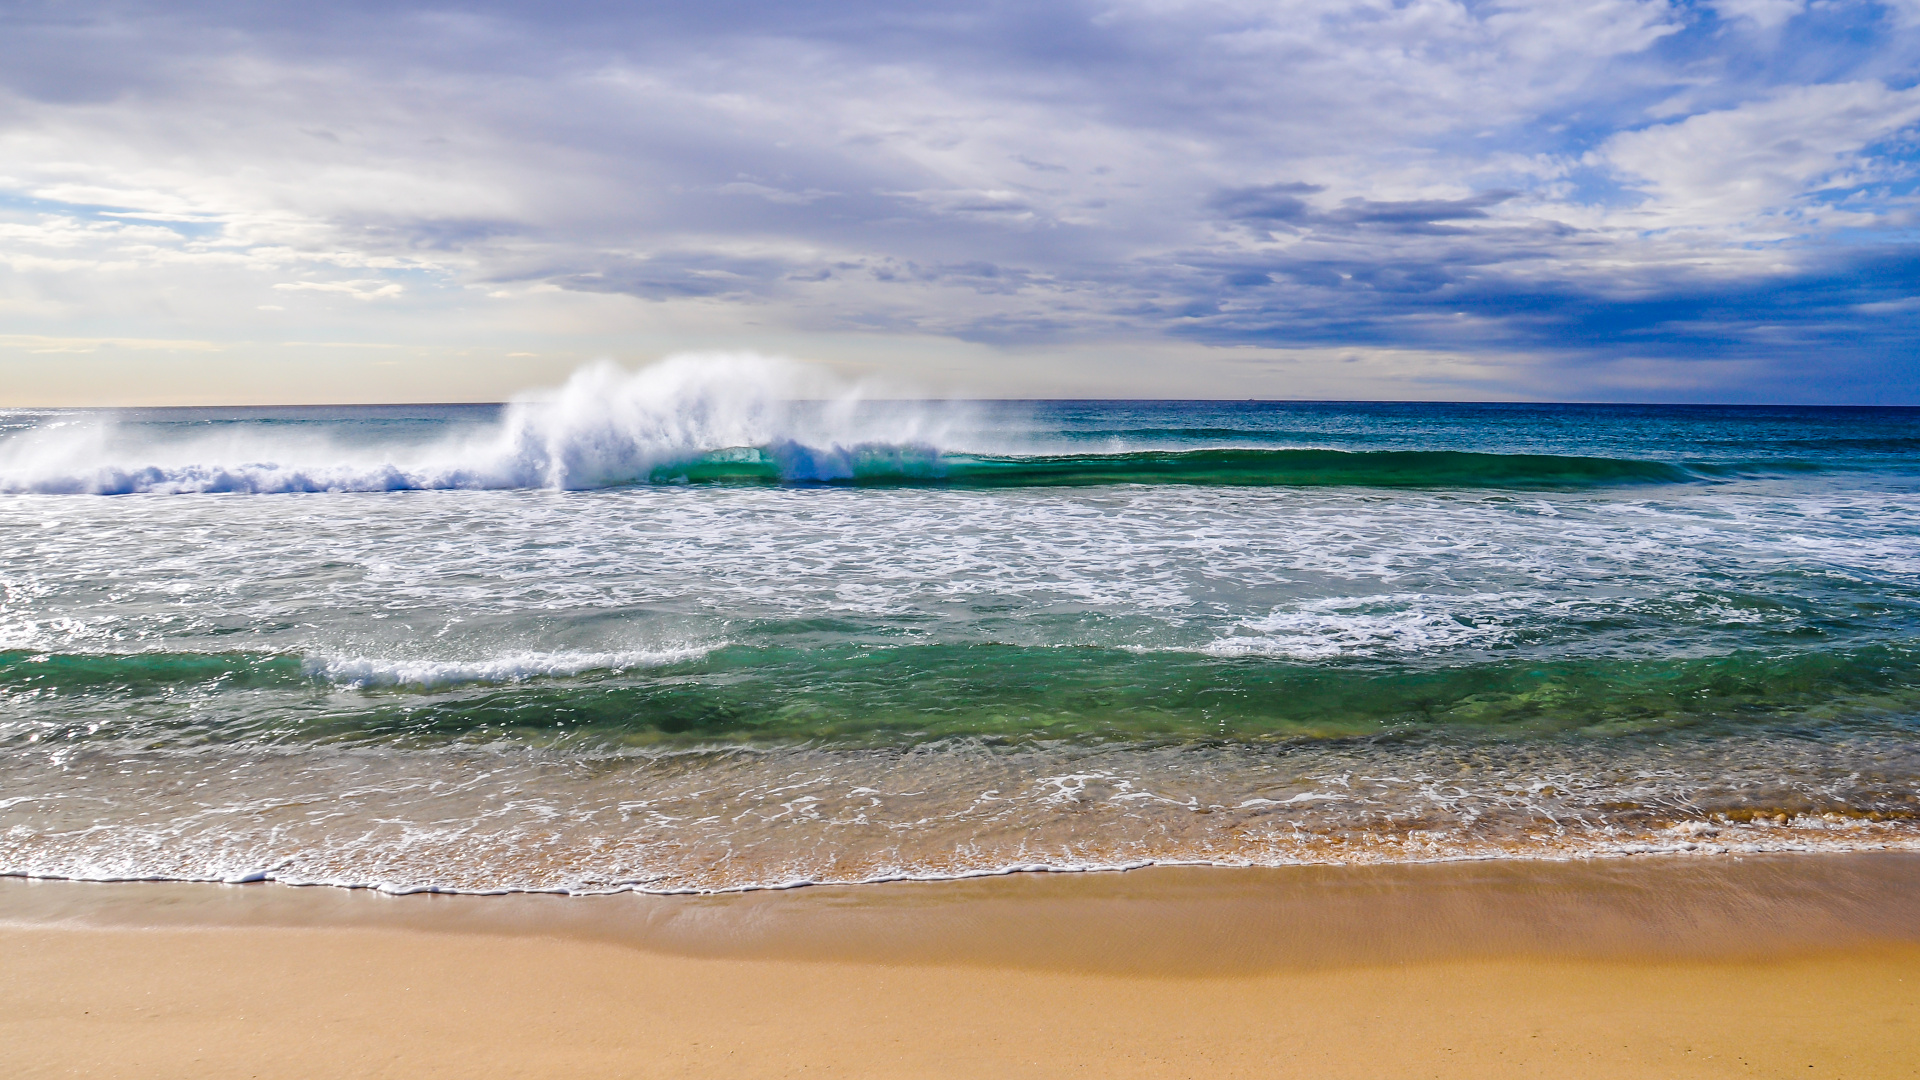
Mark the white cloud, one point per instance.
(41, 344)
(1765, 14)
(1905, 13)
(1759, 160)
(359, 289)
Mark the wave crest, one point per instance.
(365, 671)
(604, 427)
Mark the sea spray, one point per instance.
(604, 427)
(607, 427)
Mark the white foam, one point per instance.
(605, 426)
(486, 817)
(362, 671)
(1371, 626)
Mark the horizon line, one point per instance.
(1023, 401)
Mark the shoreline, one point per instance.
(1182, 919)
(1689, 844)
(1755, 966)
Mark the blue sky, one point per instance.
(1612, 200)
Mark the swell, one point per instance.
(1310, 468)
(50, 674)
(907, 695)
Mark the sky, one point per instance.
(1628, 200)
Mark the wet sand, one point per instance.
(1803, 966)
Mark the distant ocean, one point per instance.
(678, 631)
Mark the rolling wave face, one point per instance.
(901, 696)
(870, 465)
(1309, 468)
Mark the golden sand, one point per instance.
(1693, 969)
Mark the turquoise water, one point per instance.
(684, 634)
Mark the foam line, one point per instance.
(359, 671)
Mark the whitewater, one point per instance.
(604, 427)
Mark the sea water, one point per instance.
(725, 623)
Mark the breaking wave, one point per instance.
(363, 671)
(724, 420)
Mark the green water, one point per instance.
(888, 465)
(910, 694)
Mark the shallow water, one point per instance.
(672, 632)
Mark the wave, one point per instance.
(717, 420)
(750, 767)
(891, 465)
(914, 694)
(60, 674)
(364, 671)
(605, 427)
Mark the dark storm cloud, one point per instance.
(1271, 204)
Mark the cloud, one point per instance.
(1764, 14)
(1591, 183)
(359, 289)
(35, 343)
(1763, 158)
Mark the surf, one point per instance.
(604, 427)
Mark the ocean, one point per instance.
(729, 624)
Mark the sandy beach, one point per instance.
(1703, 967)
